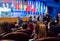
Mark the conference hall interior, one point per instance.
(29, 20)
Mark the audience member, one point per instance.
(34, 19)
(58, 17)
(41, 30)
(30, 19)
(7, 27)
(13, 28)
(46, 19)
(55, 28)
(36, 30)
(30, 28)
(20, 21)
(16, 25)
(25, 25)
(40, 18)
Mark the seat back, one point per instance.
(16, 36)
(49, 39)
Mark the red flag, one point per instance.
(34, 10)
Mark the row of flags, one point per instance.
(29, 6)
(23, 8)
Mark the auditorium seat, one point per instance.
(7, 40)
(49, 39)
(20, 36)
(51, 34)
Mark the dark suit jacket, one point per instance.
(55, 29)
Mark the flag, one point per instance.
(35, 6)
(15, 4)
(27, 7)
(39, 7)
(20, 5)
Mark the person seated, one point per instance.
(16, 24)
(40, 30)
(34, 19)
(55, 28)
(20, 21)
(30, 28)
(30, 19)
(46, 19)
(7, 27)
(13, 28)
(24, 26)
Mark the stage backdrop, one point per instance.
(17, 8)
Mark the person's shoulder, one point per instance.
(38, 17)
(44, 17)
(58, 25)
(53, 26)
